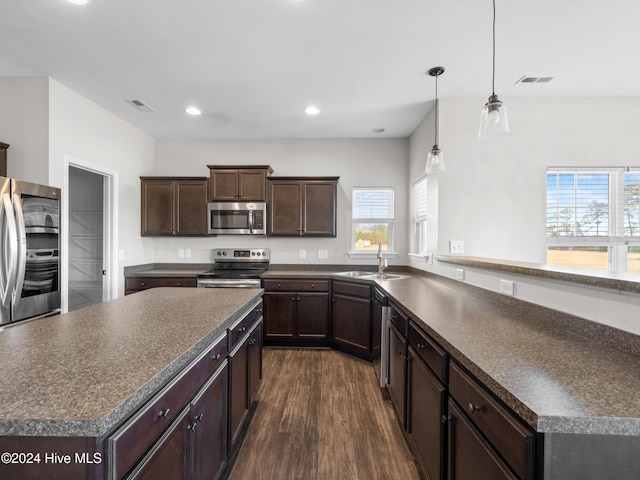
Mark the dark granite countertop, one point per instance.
(82, 373)
(555, 378)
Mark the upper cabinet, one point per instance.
(236, 183)
(173, 206)
(302, 206)
(3, 159)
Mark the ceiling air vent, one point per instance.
(143, 107)
(526, 79)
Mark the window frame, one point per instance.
(389, 252)
(616, 242)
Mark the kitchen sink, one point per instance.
(385, 276)
(356, 273)
(371, 275)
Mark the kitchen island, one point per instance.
(69, 381)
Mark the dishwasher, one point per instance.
(381, 317)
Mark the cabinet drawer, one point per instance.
(429, 352)
(240, 329)
(288, 285)
(134, 438)
(142, 283)
(399, 320)
(511, 439)
(353, 289)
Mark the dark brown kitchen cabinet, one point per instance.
(173, 206)
(210, 427)
(170, 456)
(397, 374)
(3, 159)
(426, 405)
(245, 364)
(483, 435)
(296, 312)
(302, 206)
(134, 284)
(233, 183)
(351, 319)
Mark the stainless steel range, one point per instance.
(236, 268)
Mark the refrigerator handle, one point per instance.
(22, 249)
(7, 277)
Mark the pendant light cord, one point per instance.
(493, 76)
(437, 108)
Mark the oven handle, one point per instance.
(7, 276)
(22, 249)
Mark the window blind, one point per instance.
(373, 203)
(631, 204)
(420, 200)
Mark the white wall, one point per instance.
(492, 195)
(358, 162)
(83, 130)
(24, 125)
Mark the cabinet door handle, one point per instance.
(142, 284)
(400, 352)
(217, 357)
(313, 285)
(242, 329)
(420, 346)
(278, 285)
(198, 418)
(474, 408)
(164, 413)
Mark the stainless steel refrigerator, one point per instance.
(29, 250)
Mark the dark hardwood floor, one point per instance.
(321, 416)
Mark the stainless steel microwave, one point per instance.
(237, 218)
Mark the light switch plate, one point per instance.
(302, 254)
(323, 253)
(459, 273)
(506, 287)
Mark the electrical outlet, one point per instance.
(506, 287)
(459, 273)
(429, 258)
(302, 254)
(323, 253)
(456, 246)
(187, 253)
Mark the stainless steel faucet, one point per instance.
(382, 262)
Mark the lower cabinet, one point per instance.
(245, 364)
(296, 312)
(195, 446)
(351, 325)
(426, 406)
(397, 375)
(456, 429)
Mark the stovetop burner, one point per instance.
(236, 267)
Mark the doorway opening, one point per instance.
(89, 243)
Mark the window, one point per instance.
(372, 219)
(420, 216)
(593, 218)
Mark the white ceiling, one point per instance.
(253, 65)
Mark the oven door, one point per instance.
(228, 283)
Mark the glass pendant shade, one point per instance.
(435, 161)
(493, 117)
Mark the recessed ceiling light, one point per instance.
(193, 110)
(78, 2)
(312, 110)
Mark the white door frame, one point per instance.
(110, 285)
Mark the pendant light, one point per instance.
(435, 159)
(494, 113)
